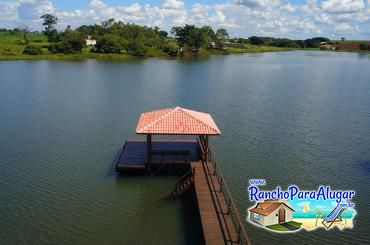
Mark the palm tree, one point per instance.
(345, 217)
(319, 214)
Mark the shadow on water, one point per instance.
(112, 167)
(191, 217)
(193, 224)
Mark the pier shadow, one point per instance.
(111, 172)
(193, 223)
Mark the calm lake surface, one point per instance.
(291, 118)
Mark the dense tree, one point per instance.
(171, 48)
(189, 37)
(299, 43)
(92, 30)
(321, 39)
(50, 21)
(136, 48)
(364, 46)
(163, 34)
(255, 40)
(107, 24)
(110, 43)
(315, 42)
(222, 34)
(209, 33)
(287, 43)
(114, 36)
(70, 42)
(32, 50)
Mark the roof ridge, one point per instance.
(151, 124)
(200, 121)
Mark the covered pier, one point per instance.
(220, 219)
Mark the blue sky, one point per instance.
(295, 19)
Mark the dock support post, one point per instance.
(148, 152)
(206, 148)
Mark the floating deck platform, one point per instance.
(219, 216)
(133, 155)
(220, 220)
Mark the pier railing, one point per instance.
(232, 211)
(183, 184)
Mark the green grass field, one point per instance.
(279, 227)
(12, 46)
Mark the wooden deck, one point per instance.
(133, 155)
(220, 220)
(213, 208)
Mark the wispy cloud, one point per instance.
(279, 18)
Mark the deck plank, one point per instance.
(213, 225)
(133, 154)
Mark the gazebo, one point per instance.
(139, 154)
(199, 171)
(176, 121)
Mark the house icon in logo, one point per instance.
(271, 212)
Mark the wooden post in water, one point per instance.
(206, 148)
(148, 151)
(204, 144)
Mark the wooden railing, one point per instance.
(183, 184)
(232, 211)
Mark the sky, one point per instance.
(295, 19)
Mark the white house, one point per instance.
(90, 42)
(271, 213)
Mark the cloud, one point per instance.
(345, 28)
(342, 6)
(174, 4)
(258, 3)
(288, 8)
(242, 18)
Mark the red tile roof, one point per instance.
(178, 121)
(266, 208)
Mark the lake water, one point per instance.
(290, 117)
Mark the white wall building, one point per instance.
(90, 42)
(271, 213)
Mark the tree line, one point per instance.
(283, 42)
(117, 37)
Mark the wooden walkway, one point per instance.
(213, 208)
(220, 219)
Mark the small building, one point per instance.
(90, 42)
(212, 45)
(327, 47)
(271, 213)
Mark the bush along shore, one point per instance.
(115, 40)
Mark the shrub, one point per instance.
(71, 42)
(32, 50)
(364, 46)
(256, 40)
(110, 44)
(136, 48)
(171, 48)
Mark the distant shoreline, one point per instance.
(125, 57)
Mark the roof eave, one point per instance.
(142, 133)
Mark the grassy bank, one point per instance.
(13, 44)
